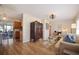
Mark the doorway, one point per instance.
(6, 33)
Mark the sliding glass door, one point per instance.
(1, 34)
(6, 33)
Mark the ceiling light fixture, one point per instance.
(4, 18)
(51, 16)
(3, 13)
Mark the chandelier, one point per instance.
(51, 16)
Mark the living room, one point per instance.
(48, 19)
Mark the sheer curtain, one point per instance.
(77, 27)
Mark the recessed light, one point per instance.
(4, 18)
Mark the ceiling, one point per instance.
(42, 11)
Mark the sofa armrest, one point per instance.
(70, 47)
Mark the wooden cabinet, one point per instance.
(17, 34)
(17, 30)
(17, 25)
(36, 31)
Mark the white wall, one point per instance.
(26, 28)
(45, 32)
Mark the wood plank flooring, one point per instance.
(28, 48)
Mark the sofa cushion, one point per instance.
(69, 38)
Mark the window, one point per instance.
(1, 29)
(77, 29)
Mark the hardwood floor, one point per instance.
(28, 48)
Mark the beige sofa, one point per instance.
(67, 48)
